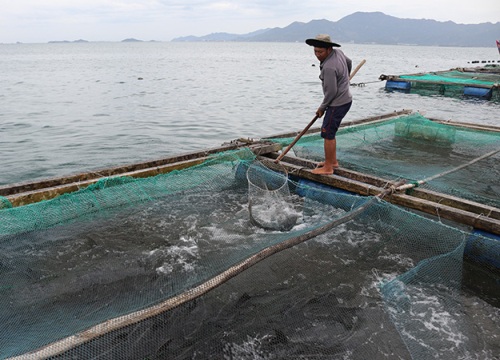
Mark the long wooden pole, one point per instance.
(421, 182)
(297, 138)
(357, 69)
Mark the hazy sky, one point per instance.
(114, 20)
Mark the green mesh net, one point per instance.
(452, 83)
(415, 148)
(87, 275)
(4, 203)
(456, 77)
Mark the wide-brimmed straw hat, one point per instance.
(322, 41)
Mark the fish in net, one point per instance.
(270, 204)
(167, 268)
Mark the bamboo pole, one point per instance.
(297, 138)
(357, 69)
(421, 182)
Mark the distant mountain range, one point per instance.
(372, 28)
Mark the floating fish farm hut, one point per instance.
(478, 82)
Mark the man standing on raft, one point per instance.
(335, 69)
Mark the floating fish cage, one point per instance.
(227, 253)
(480, 83)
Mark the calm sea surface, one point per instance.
(66, 108)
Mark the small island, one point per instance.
(131, 40)
(67, 42)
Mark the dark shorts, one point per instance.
(332, 119)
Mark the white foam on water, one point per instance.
(353, 238)
(432, 313)
(275, 214)
(181, 257)
(424, 320)
(399, 259)
(218, 234)
(359, 237)
(251, 348)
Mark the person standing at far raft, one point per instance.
(335, 68)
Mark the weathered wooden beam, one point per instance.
(371, 119)
(28, 193)
(437, 197)
(10, 189)
(443, 206)
(481, 222)
(481, 127)
(457, 203)
(50, 192)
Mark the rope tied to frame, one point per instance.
(421, 182)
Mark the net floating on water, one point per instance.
(109, 271)
(480, 82)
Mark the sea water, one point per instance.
(67, 108)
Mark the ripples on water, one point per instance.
(65, 108)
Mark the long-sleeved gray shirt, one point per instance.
(334, 75)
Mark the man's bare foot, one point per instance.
(322, 163)
(322, 171)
